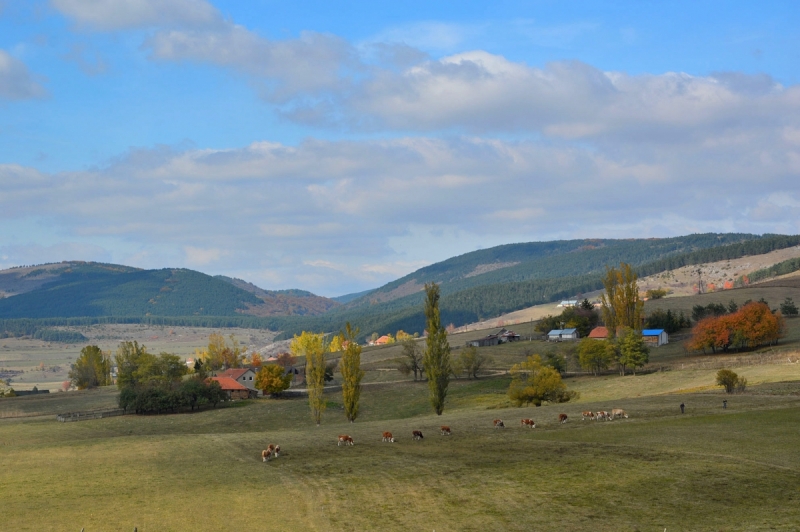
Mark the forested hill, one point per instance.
(562, 276)
(77, 289)
(475, 286)
(513, 263)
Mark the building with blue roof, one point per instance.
(655, 337)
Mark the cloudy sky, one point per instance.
(335, 146)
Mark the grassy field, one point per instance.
(710, 469)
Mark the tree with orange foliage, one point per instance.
(751, 326)
(256, 361)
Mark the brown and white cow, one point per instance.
(528, 423)
(445, 430)
(269, 452)
(345, 439)
(417, 435)
(602, 415)
(277, 451)
(387, 436)
(498, 424)
(618, 412)
(586, 414)
(562, 418)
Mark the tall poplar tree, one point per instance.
(622, 306)
(437, 350)
(312, 347)
(350, 368)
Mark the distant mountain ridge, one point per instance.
(84, 289)
(474, 286)
(292, 302)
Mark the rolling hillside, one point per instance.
(86, 289)
(514, 263)
(475, 286)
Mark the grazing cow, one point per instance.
(498, 424)
(387, 436)
(562, 418)
(446, 430)
(586, 414)
(618, 412)
(345, 439)
(270, 452)
(528, 423)
(417, 435)
(602, 415)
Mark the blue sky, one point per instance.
(336, 146)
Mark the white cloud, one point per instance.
(108, 15)
(346, 215)
(285, 69)
(481, 92)
(196, 256)
(16, 81)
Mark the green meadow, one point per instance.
(708, 469)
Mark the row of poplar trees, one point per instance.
(313, 347)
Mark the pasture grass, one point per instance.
(709, 469)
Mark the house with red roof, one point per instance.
(383, 340)
(599, 333)
(232, 389)
(244, 376)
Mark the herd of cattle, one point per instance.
(273, 451)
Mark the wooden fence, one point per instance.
(91, 414)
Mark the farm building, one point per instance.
(245, 377)
(562, 335)
(568, 303)
(491, 339)
(233, 389)
(500, 337)
(507, 336)
(599, 333)
(655, 337)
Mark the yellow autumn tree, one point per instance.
(622, 306)
(272, 379)
(312, 348)
(533, 382)
(350, 368)
(336, 344)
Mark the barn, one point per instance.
(562, 335)
(655, 337)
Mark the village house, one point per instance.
(599, 333)
(244, 376)
(383, 340)
(232, 389)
